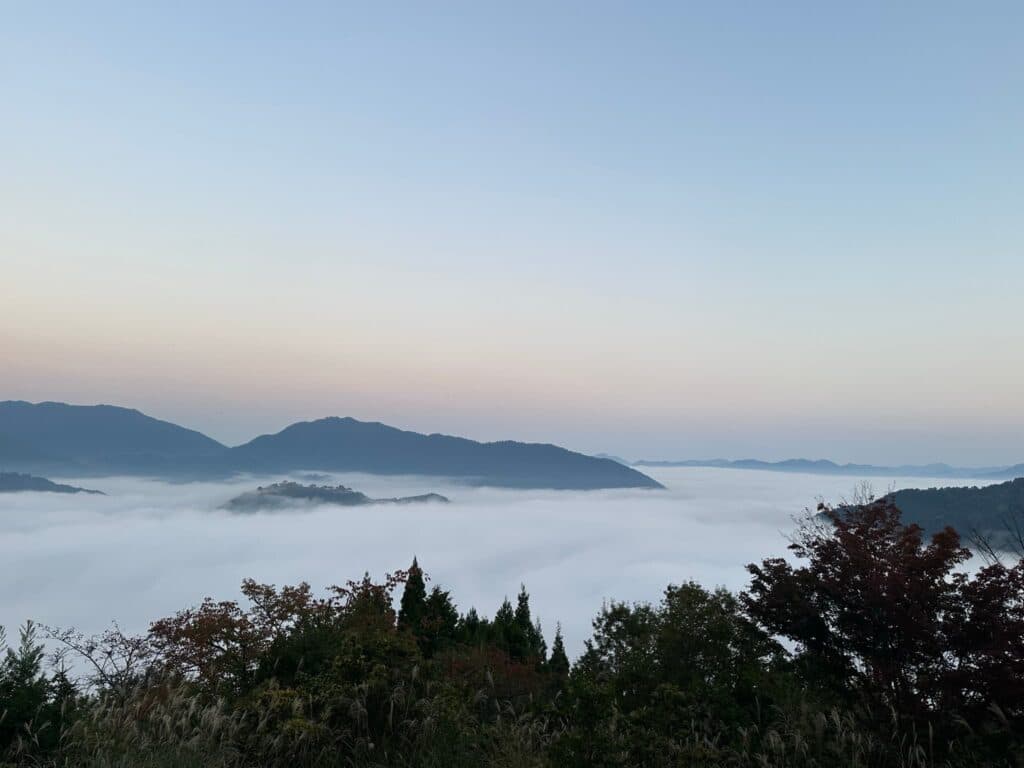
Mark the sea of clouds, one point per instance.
(148, 548)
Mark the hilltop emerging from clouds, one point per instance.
(57, 438)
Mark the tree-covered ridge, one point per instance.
(16, 482)
(996, 511)
(288, 493)
(105, 439)
(871, 646)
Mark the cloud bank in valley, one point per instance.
(150, 548)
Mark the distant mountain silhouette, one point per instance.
(826, 467)
(16, 482)
(98, 439)
(103, 440)
(337, 444)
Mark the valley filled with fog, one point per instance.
(148, 548)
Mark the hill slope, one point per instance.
(355, 446)
(987, 509)
(103, 439)
(98, 438)
(13, 482)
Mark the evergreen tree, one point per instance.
(23, 686)
(540, 648)
(65, 699)
(523, 609)
(439, 624)
(506, 633)
(414, 599)
(529, 641)
(472, 629)
(559, 662)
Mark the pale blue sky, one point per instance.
(655, 229)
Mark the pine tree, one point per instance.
(540, 648)
(472, 629)
(523, 609)
(530, 639)
(559, 662)
(23, 685)
(505, 631)
(439, 623)
(414, 599)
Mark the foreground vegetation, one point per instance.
(875, 649)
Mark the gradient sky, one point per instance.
(655, 229)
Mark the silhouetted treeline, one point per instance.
(870, 647)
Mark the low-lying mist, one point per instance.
(148, 548)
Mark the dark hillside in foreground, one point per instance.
(51, 438)
(347, 445)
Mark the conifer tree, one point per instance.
(439, 623)
(470, 627)
(523, 609)
(414, 599)
(559, 662)
(23, 684)
(530, 641)
(540, 648)
(506, 633)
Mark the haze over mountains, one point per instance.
(826, 467)
(57, 438)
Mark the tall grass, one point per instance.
(169, 725)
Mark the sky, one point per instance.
(660, 230)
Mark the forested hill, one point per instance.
(15, 482)
(987, 508)
(97, 439)
(56, 438)
(335, 444)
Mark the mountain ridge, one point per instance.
(17, 482)
(54, 437)
(347, 444)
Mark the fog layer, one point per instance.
(150, 548)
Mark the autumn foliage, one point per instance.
(870, 646)
(895, 624)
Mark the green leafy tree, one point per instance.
(651, 672)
